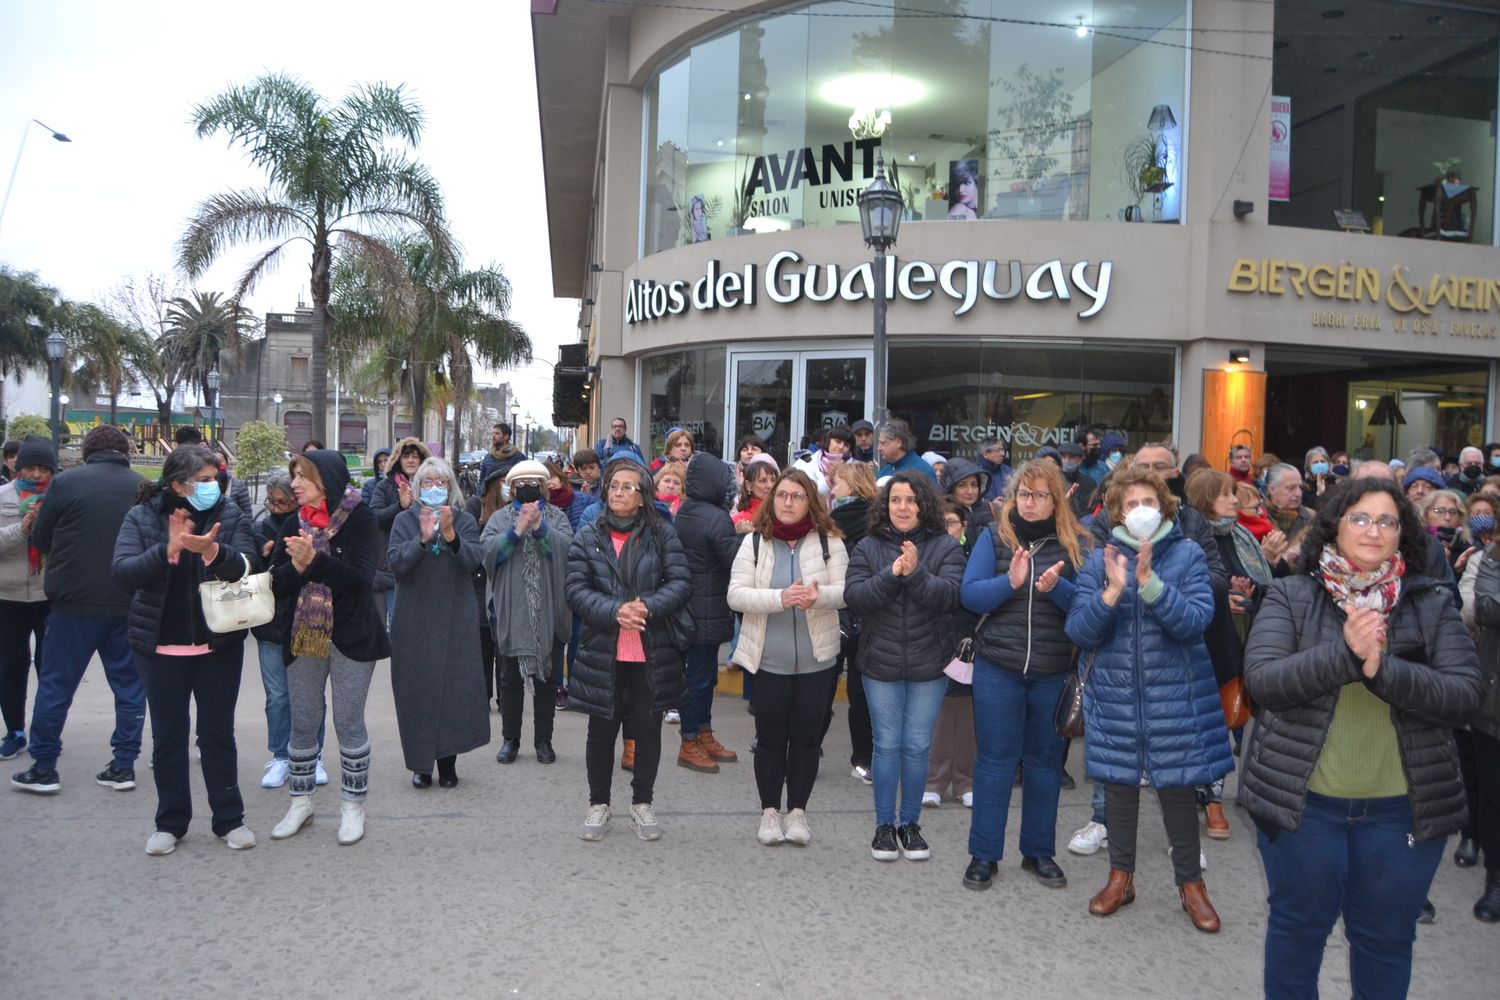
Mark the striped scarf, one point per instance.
(312, 625)
(27, 501)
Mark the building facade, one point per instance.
(1205, 220)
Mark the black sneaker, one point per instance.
(12, 745)
(883, 847)
(1046, 872)
(979, 873)
(1428, 915)
(33, 780)
(912, 844)
(121, 779)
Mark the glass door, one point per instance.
(762, 405)
(786, 397)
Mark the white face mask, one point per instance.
(1142, 522)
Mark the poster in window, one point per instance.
(964, 194)
(698, 219)
(1281, 149)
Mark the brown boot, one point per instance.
(693, 757)
(1218, 824)
(1119, 890)
(627, 759)
(714, 748)
(1195, 904)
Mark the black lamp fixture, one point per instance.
(880, 220)
(56, 344)
(1243, 208)
(1161, 119)
(1239, 355)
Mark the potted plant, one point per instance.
(739, 210)
(1143, 166)
(1038, 113)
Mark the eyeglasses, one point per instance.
(1026, 496)
(953, 522)
(624, 489)
(281, 502)
(434, 484)
(1130, 505)
(784, 497)
(1445, 511)
(617, 427)
(1362, 521)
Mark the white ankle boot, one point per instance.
(298, 816)
(351, 822)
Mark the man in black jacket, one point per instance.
(76, 528)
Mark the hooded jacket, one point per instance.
(999, 477)
(348, 571)
(979, 516)
(368, 489)
(76, 528)
(384, 500)
(710, 543)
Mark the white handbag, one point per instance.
(238, 604)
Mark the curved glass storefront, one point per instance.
(987, 109)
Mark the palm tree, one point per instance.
(332, 179)
(199, 329)
(27, 309)
(109, 351)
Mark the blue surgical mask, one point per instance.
(1481, 524)
(1495, 461)
(434, 496)
(204, 495)
(1318, 468)
(1115, 456)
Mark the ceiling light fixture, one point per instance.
(1082, 31)
(911, 157)
(872, 90)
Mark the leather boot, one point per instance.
(1218, 825)
(627, 759)
(1195, 904)
(1488, 907)
(1118, 891)
(299, 815)
(693, 757)
(714, 748)
(351, 822)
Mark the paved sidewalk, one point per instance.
(486, 891)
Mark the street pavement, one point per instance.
(485, 890)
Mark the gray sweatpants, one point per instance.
(306, 680)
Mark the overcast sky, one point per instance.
(121, 80)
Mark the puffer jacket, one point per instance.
(270, 528)
(1193, 525)
(822, 559)
(1487, 618)
(979, 516)
(709, 540)
(1023, 632)
(906, 625)
(16, 581)
(384, 501)
(1151, 707)
(595, 592)
(1296, 661)
(140, 566)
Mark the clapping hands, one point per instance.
(800, 595)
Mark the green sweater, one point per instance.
(1361, 758)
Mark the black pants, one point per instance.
(1487, 821)
(861, 736)
(513, 700)
(633, 703)
(212, 682)
(20, 621)
(790, 714)
(1179, 811)
(1468, 769)
(489, 664)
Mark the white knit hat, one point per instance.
(527, 470)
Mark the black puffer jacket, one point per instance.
(979, 516)
(270, 529)
(596, 591)
(1296, 661)
(1487, 614)
(140, 565)
(709, 540)
(1024, 633)
(906, 622)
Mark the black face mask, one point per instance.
(1341, 470)
(1447, 534)
(528, 493)
(1091, 454)
(1473, 472)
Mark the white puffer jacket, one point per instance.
(750, 592)
(16, 581)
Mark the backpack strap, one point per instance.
(824, 540)
(755, 548)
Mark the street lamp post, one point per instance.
(212, 381)
(55, 346)
(276, 398)
(527, 447)
(515, 414)
(25, 131)
(880, 219)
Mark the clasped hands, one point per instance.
(440, 520)
(632, 615)
(1364, 633)
(800, 595)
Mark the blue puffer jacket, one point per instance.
(1151, 708)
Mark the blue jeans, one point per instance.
(702, 677)
(1013, 724)
(902, 716)
(1350, 858)
(1097, 801)
(278, 702)
(72, 640)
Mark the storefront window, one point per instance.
(685, 389)
(957, 393)
(993, 111)
(1394, 119)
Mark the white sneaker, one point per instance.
(673, 718)
(596, 823)
(300, 814)
(643, 818)
(1202, 858)
(1089, 839)
(239, 839)
(968, 800)
(931, 799)
(320, 776)
(770, 827)
(160, 844)
(277, 771)
(796, 828)
(862, 773)
(351, 823)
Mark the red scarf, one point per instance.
(1258, 526)
(27, 501)
(791, 533)
(748, 513)
(561, 497)
(316, 517)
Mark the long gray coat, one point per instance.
(515, 633)
(440, 702)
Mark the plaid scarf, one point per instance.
(312, 625)
(28, 500)
(1351, 587)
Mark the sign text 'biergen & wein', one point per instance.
(784, 282)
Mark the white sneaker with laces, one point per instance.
(643, 818)
(277, 771)
(797, 831)
(320, 776)
(596, 824)
(239, 839)
(770, 827)
(968, 800)
(673, 718)
(1089, 839)
(160, 844)
(931, 799)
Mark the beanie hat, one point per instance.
(36, 450)
(933, 458)
(763, 458)
(105, 438)
(1426, 473)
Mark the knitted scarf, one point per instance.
(791, 532)
(312, 625)
(1245, 549)
(527, 586)
(1351, 587)
(28, 500)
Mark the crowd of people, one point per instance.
(978, 611)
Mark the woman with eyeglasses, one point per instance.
(1442, 513)
(788, 581)
(903, 586)
(1151, 704)
(1358, 668)
(433, 555)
